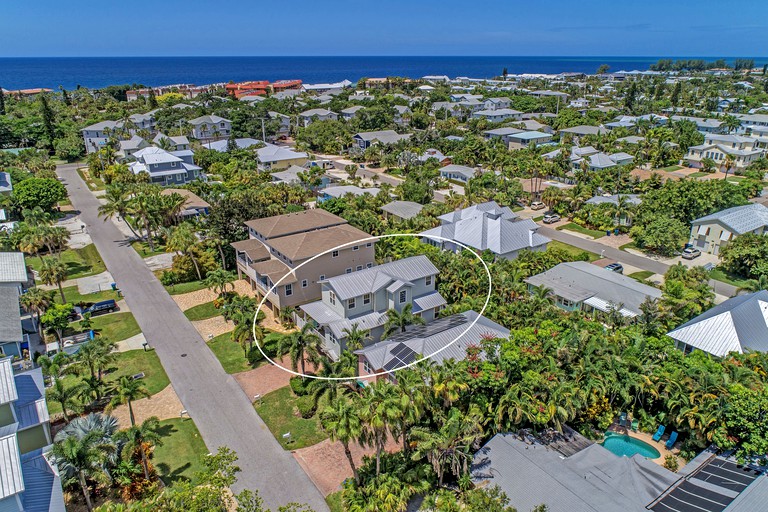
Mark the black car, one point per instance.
(615, 267)
(105, 306)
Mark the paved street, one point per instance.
(642, 262)
(213, 398)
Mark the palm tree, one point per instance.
(379, 412)
(126, 391)
(398, 321)
(219, 280)
(301, 345)
(341, 420)
(66, 396)
(356, 337)
(53, 367)
(728, 163)
(83, 459)
(142, 438)
(36, 301)
(117, 204)
(183, 240)
(52, 272)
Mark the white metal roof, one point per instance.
(12, 267)
(7, 384)
(11, 478)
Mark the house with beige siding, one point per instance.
(278, 249)
(713, 232)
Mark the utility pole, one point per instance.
(263, 132)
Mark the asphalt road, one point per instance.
(214, 400)
(642, 262)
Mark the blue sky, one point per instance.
(383, 27)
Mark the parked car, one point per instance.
(615, 267)
(690, 253)
(105, 306)
(538, 205)
(551, 218)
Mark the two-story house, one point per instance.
(173, 143)
(498, 115)
(30, 482)
(96, 135)
(13, 276)
(210, 127)
(487, 226)
(129, 147)
(741, 149)
(166, 167)
(363, 299)
(317, 114)
(713, 232)
(496, 103)
(281, 247)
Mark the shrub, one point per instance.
(306, 406)
(670, 462)
(298, 386)
(254, 355)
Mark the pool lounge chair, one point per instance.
(623, 420)
(659, 433)
(635, 424)
(671, 441)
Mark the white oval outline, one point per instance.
(357, 242)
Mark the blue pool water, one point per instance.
(622, 445)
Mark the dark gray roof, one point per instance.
(592, 480)
(30, 407)
(5, 182)
(10, 316)
(737, 325)
(42, 491)
(739, 219)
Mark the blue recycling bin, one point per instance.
(114, 286)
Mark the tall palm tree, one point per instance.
(301, 345)
(83, 459)
(356, 337)
(183, 240)
(219, 280)
(66, 396)
(728, 163)
(52, 272)
(126, 391)
(117, 204)
(341, 420)
(398, 321)
(142, 438)
(379, 412)
(36, 301)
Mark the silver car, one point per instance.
(690, 253)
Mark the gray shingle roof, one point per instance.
(10, 317)
(211, 119)
(579, 281)
(739, 219)
(383, 136)
(737, 325)
(12, 267)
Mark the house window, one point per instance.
(335, 254)
(367, 366)
(369, 265)
(304, 283)
(173, 164)
(403, 295)
(322, 277)
(288, 290)
(367, 298)
(428, 281)
(359, 267)
(351, 303)
(349, 270)
(369, 244)
(332, 298)
(356, 248)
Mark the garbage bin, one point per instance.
(608, 233)
(616, 231)
(114, 286)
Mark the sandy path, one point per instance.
(266, 378)
(164, 405)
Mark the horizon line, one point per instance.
(379, 56)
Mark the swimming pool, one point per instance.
(622, 445)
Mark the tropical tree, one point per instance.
(66, 396)
(184, 241)
(118, 203)
(356, 337)
(127, 391)
(36, 301)
(341, 420)
(729, 164)
(54, 272)
(301, 346)
(219, 280)
(398, 321)
(379, 410)
(83, 459)
(755, 285)
(141, 438)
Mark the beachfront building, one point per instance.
(278, 245)
(579, 285)
(30, 482)
(487, 227)
(210, 127)
(741, 149)
(440, 340)
(712, 232)
(362, 298)
(166, 167)
(740, 325)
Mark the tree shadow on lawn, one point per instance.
(171, 476)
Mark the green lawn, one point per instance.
(92, 182)
(538, 219)
(80, 262)
(517, 208)
(572, 226)
(641, 275)
(115, 326)
(721, 275)
(73, 296)
(335, 502)
(672, 168)
(179, 458)
(575, 251)
(144, 251)
(202, 311)
(127, 364)
(180, 288)
(278, 412)
(231, 356)
(630, 245)
(699, 174)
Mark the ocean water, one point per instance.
(18, 73)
